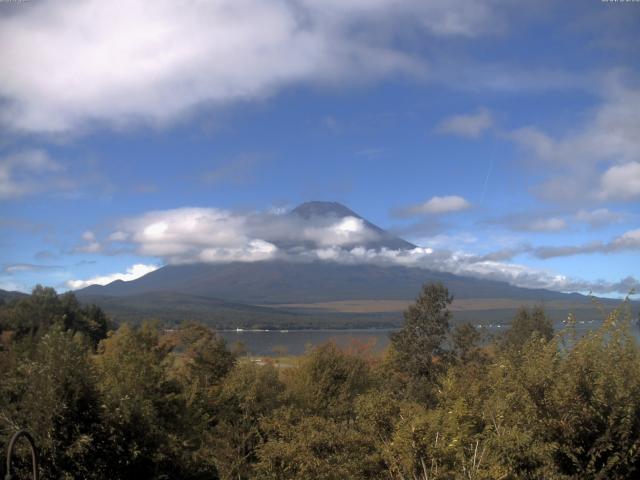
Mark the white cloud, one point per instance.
(468, 264)
(35, 172)
(528, 277)
(118, 236)
(627, 241)
(28, 267)
(136, 271)
(211, 235)
(470, 125)
(24, 173)
(254, 251)
(608, 138)
(541, 222)
(187, 235)
(437, 205)
(120, 61)
(457, 262)
(609, 133)
(343, 231)
(599, 217)
(481, 76)
(182, 235)
(492, 266)
(621, 181)
(553, 224)
(531, 222)
(90, 245)
(439, 17)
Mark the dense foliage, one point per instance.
(441, 403)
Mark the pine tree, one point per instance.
(418, 348)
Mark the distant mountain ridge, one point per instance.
(8, 295)
(290, 282)
(250, 287)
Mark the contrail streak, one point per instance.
(486, 180)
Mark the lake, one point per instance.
(296, 342)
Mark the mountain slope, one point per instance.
(8, 295)
(309, 210)
(174, 307)
(287, 282)
(286, 292)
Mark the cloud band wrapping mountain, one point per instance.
(315, 231)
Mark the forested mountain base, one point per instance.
(149, 403)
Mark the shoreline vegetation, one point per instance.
(440, 402)
(344, 316)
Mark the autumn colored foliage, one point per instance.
(143, 402)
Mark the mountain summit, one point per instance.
(312, 209)
(383, 239)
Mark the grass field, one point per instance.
(467, 304)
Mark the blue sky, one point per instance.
(501, 138)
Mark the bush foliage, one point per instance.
(146, 402)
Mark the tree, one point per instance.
(466, 344)
(417, 350)
(525, 325)
(154, 403)
(249, 394)
(304, 447)
(90, 320)
(145, 410)
(327, 382)
(54, 395)
(34, 315)
(205, 359)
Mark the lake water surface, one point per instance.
(296, 342)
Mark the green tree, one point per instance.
(327, 382)
(54, 395)
(417, 350)
(303, 447)
(205, 358)
(36, 314)
(525, 325)
(145, 410)
(568, 411)
(89, 320)
(250, 393)
(466, 342)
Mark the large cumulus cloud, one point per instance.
(187, 235)
(66, 63)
